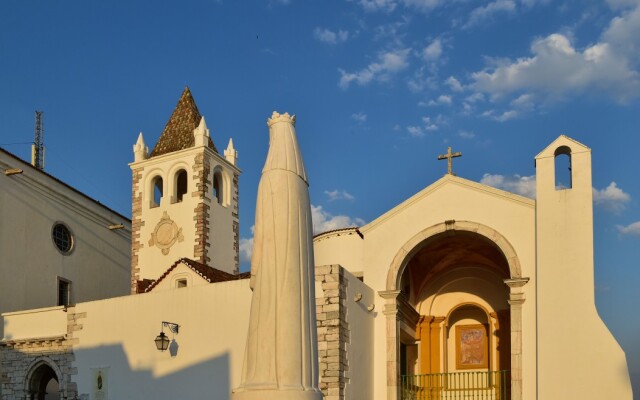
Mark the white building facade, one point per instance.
(461, 290)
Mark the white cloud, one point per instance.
(388, 63)
(419, 82)
(328, 36)
(359, 117)
(624, 30)
(476, 97)
(338, 195)
(631, 229)
(617, 4)
(522, 185)
(557, 69)
(390, 5)
(484, 13)
(524, 101)
(423, 5)
(433, 51)
(432, 125)
(466, 134)
(454, 84)
(442, 100)
(378, 5)
(505, 116)
(324, 221)
(246, 247)
(612, 198)
(415, 131)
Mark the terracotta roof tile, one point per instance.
(143, 285)
(178, 133)
(207, 273)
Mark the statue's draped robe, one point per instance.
(281, 352)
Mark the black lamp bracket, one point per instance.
(172, 327)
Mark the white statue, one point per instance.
(281, 357)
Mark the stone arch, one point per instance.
(562, 157)
(221, 186)
(39, 369)
(394, 293)
(427, 235)
(179, 181)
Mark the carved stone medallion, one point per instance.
(166, 234)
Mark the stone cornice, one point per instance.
(13, 342)
(516, 282)
(180, 154)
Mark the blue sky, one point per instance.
(380, 88)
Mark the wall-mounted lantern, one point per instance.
(162, 341)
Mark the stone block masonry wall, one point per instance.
(236, 223)
(201, 174)
(20, 359)
(333, 330)
(136, 225)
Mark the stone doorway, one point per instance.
(43, 383)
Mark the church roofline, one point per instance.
(209, 274)
(337, 232)
(49, 176)
(550, 149)
(436, 185)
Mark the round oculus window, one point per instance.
(62, 238)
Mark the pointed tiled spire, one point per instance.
(178, 133)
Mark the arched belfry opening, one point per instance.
(43, 383)
(562, 158)
(453, 330)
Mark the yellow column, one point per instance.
(435, 329)
(425, 343)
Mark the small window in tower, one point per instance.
(217, 187)
(181, 283)
(563, 168)
(64, 292)
(157, 191)
(181, 185)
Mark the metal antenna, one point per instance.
(37, 150)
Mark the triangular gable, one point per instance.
(448, 180)
(562, 140)
(206, 273)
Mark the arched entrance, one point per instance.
(450, 316)
(43, 382)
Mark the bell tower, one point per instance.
(184, 198)
(571, 365)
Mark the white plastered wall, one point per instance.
(119, 334)
(578, 356)
(31, 202)
(360, 344)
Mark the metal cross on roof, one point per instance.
(449, 156)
